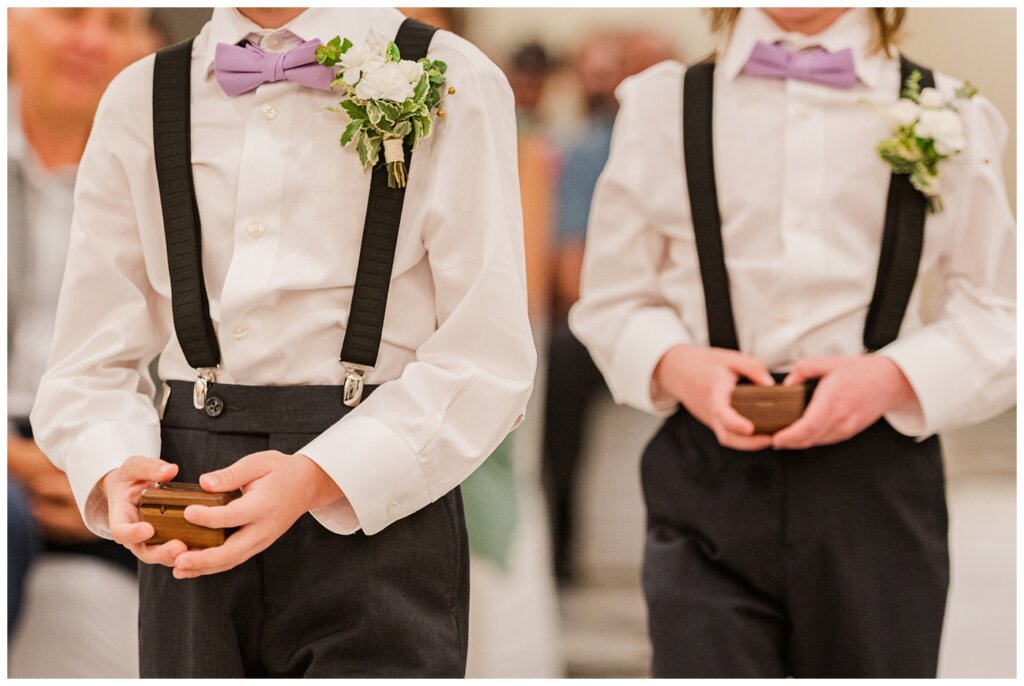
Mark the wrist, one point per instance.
(324, 490)
(901, 393)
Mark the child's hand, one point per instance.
(123, 487)
(703, 379)
(277, 489)
(854, 392)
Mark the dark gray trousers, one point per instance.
(314, 604)
(828, 562)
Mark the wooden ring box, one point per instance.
(771, 408)
(163, 506)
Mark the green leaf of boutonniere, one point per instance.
(355, 111)
(393, 54)
(390, 110)
(350, 132)
(912, 87)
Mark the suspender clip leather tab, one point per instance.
(354, 373)
(207, 375)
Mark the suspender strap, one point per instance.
(377, 252)
(698, 88)
(173, 152)
(902, 242)
(189, 302)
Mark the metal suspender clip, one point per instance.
(207, 375)
(354, 373)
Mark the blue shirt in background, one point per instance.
(584, 159)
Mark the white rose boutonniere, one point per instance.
(388, 101)
(926, 130)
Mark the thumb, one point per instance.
(147, 469)
(246, 470)
(810, 369)
(752, 368)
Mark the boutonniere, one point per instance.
(387, 101)
(927, 130)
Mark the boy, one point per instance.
(819, 550)
(227, 237)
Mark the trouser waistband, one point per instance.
(258, 409)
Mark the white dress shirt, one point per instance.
(282, 208)
(802, 194)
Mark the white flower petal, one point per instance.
(931, 99)
(351, 76)
(903, 113)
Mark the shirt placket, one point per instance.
(803, 187)
(258, 222)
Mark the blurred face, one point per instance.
(63, 58)
(528, 88)
(600, 71)
(808, 20)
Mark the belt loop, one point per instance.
(354, 373)
(205, 377)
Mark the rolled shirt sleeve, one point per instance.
(962, 366)
(417, 437)
(622, 316)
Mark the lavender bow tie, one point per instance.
(818, 66)
(241, 69)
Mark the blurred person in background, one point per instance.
(602, 62)
(513, 614)
(61, 60)
(786, 249)
(529, 71)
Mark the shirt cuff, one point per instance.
(928, 368)
(381, 478)
(97, 450)
(647, 337)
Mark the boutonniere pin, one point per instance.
(927, 130)
(387, 101)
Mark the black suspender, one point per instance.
(377, 252)
(172, 147)
(902, 240)
(902, 243)
(698, 87)
(189, 302)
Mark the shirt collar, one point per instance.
(228, 25)
(854, 29)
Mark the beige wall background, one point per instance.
(978, 45)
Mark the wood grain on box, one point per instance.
(164, 505)
(771, 408)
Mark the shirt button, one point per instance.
(393, 510)
(256, 230)
(803, 113)
(273, 42)
(239, 332)
(269, 112)
(800, 222)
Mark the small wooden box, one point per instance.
(164, 505)
(771, 408)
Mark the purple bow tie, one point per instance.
(241, 69)
(817, 66)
